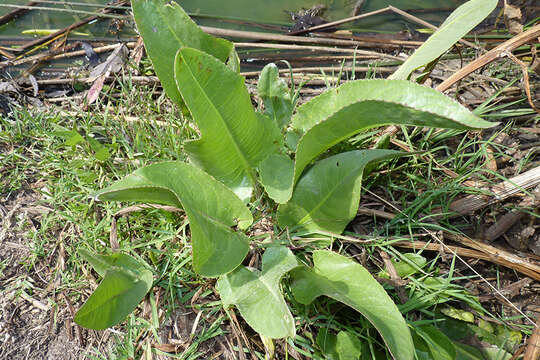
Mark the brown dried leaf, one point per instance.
(93, 94)
(113, 64)
(512, 19)
(169, 348)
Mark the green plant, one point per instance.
(245, 158)
(457, 25)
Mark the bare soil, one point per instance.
(35, 322)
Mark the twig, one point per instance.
(526, 84)
(533, 344)
(372, 212)
(58, 47)
(71, 11)
(295, 39)
(129, 119)
(69, 28)
(318, 69)
(503, 224)
(397, 281)
(135, 79)
(499, 192)
(38, 57)
(376, 12)
(426, 24)
(499, 256)
(373, 40)
(72, 313)
(518, 264)
(35, 303)
(482, 251)
(238, 333)
(463, 252)
(423, 245)
(6, 53)
(490, 56)
(70, 3)
(17, 12)
(317, 48)
(339, 22)
(254, 35)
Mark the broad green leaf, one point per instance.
(211, 208)
(278, 104)
(458, 314)
(467, 352)
(346, 281)
(358, 105)
(71, 137)
(328, 195)
(439, 345)
(509, 338)
(455, 330)
(101, 152)
(457, 25)
(409, 264)
(234, 62)
(276, 174)
(343, 346)
(257, 294)
(165, 28)
(461, 331)
(234, 139)
(483, 324)
(102, 263)
(327, 341)
(420, 347)
(291, 140)
(125, 283)
(348, 346)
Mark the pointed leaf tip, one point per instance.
(165, 27)
(340, 113)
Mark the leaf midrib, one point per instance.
(347, 178)
(139, 280)
(349, 302)
(246, 166)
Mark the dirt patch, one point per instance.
(36, 312)
(35, 322)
